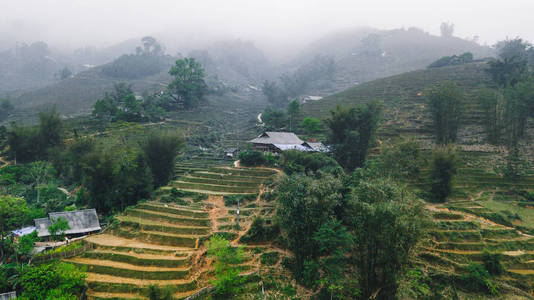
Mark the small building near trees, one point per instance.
(81, 222)
(277, 142)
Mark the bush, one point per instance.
(294, 161)
(492, 263)
(269, 258)
(478, 279)
(259, 232)
(252, 158)
(444, 166)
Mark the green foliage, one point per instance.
(122, 105)
(352, 132)
(387, 222)
(52, 281)
(26, 243)
(115, 176)
(305, 204)
(508, 71)
(492, 103)
(492, 263)
(293, 110)
(251, 158)
(274, 119)
(453, 60)
(156, 293)
(227, 282)
(446, 105)
(13, 211)
(160, 150)
(260, 232)
(399, 160)
(58, 228)
(443, 168)
(478, 279)
(269, 258)
(294, 161)
(28, 144)
(188, 87)
(311, 125)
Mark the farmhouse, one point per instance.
(81, 222)
(277, 142)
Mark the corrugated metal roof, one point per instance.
(271, 137)
(80, 221)
(285, 147)
(24, 231)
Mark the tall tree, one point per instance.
(443, 167)
(188, 87)
(387, 222)
(160, 150)
(492, 103)
(446, 103)
(352, 131)
(293, 110)
(305, 204)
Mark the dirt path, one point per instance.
(5, 163)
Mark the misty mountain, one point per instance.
(366, 54)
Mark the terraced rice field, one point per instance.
(222, 180)
(483, 214)
(161, 244)
(152, 244)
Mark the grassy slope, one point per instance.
(491, 215)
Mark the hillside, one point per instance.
(403, 97)
(366, 54)
(487, 211)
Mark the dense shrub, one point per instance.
(294, 161)
(252, 158)
(259, 232)
(453, 60)
(269, 258)
(492, 263)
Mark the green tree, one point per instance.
(352, 132)
(492, 104)
(293, 110)
(442, 170)
(274, 119)
(304, 205)
(519, 104)
(334, 242)
(251, 158)
(387, 222)
(50, 132)
(58, 228)
(508, 71)
(161, 149)
(40, 172)
(26, 244)
(12, 215)
(52, 281)
(446, 103)
(227, 282)
(311, 125)
(188, 87)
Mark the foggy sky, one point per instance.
(71, 24)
